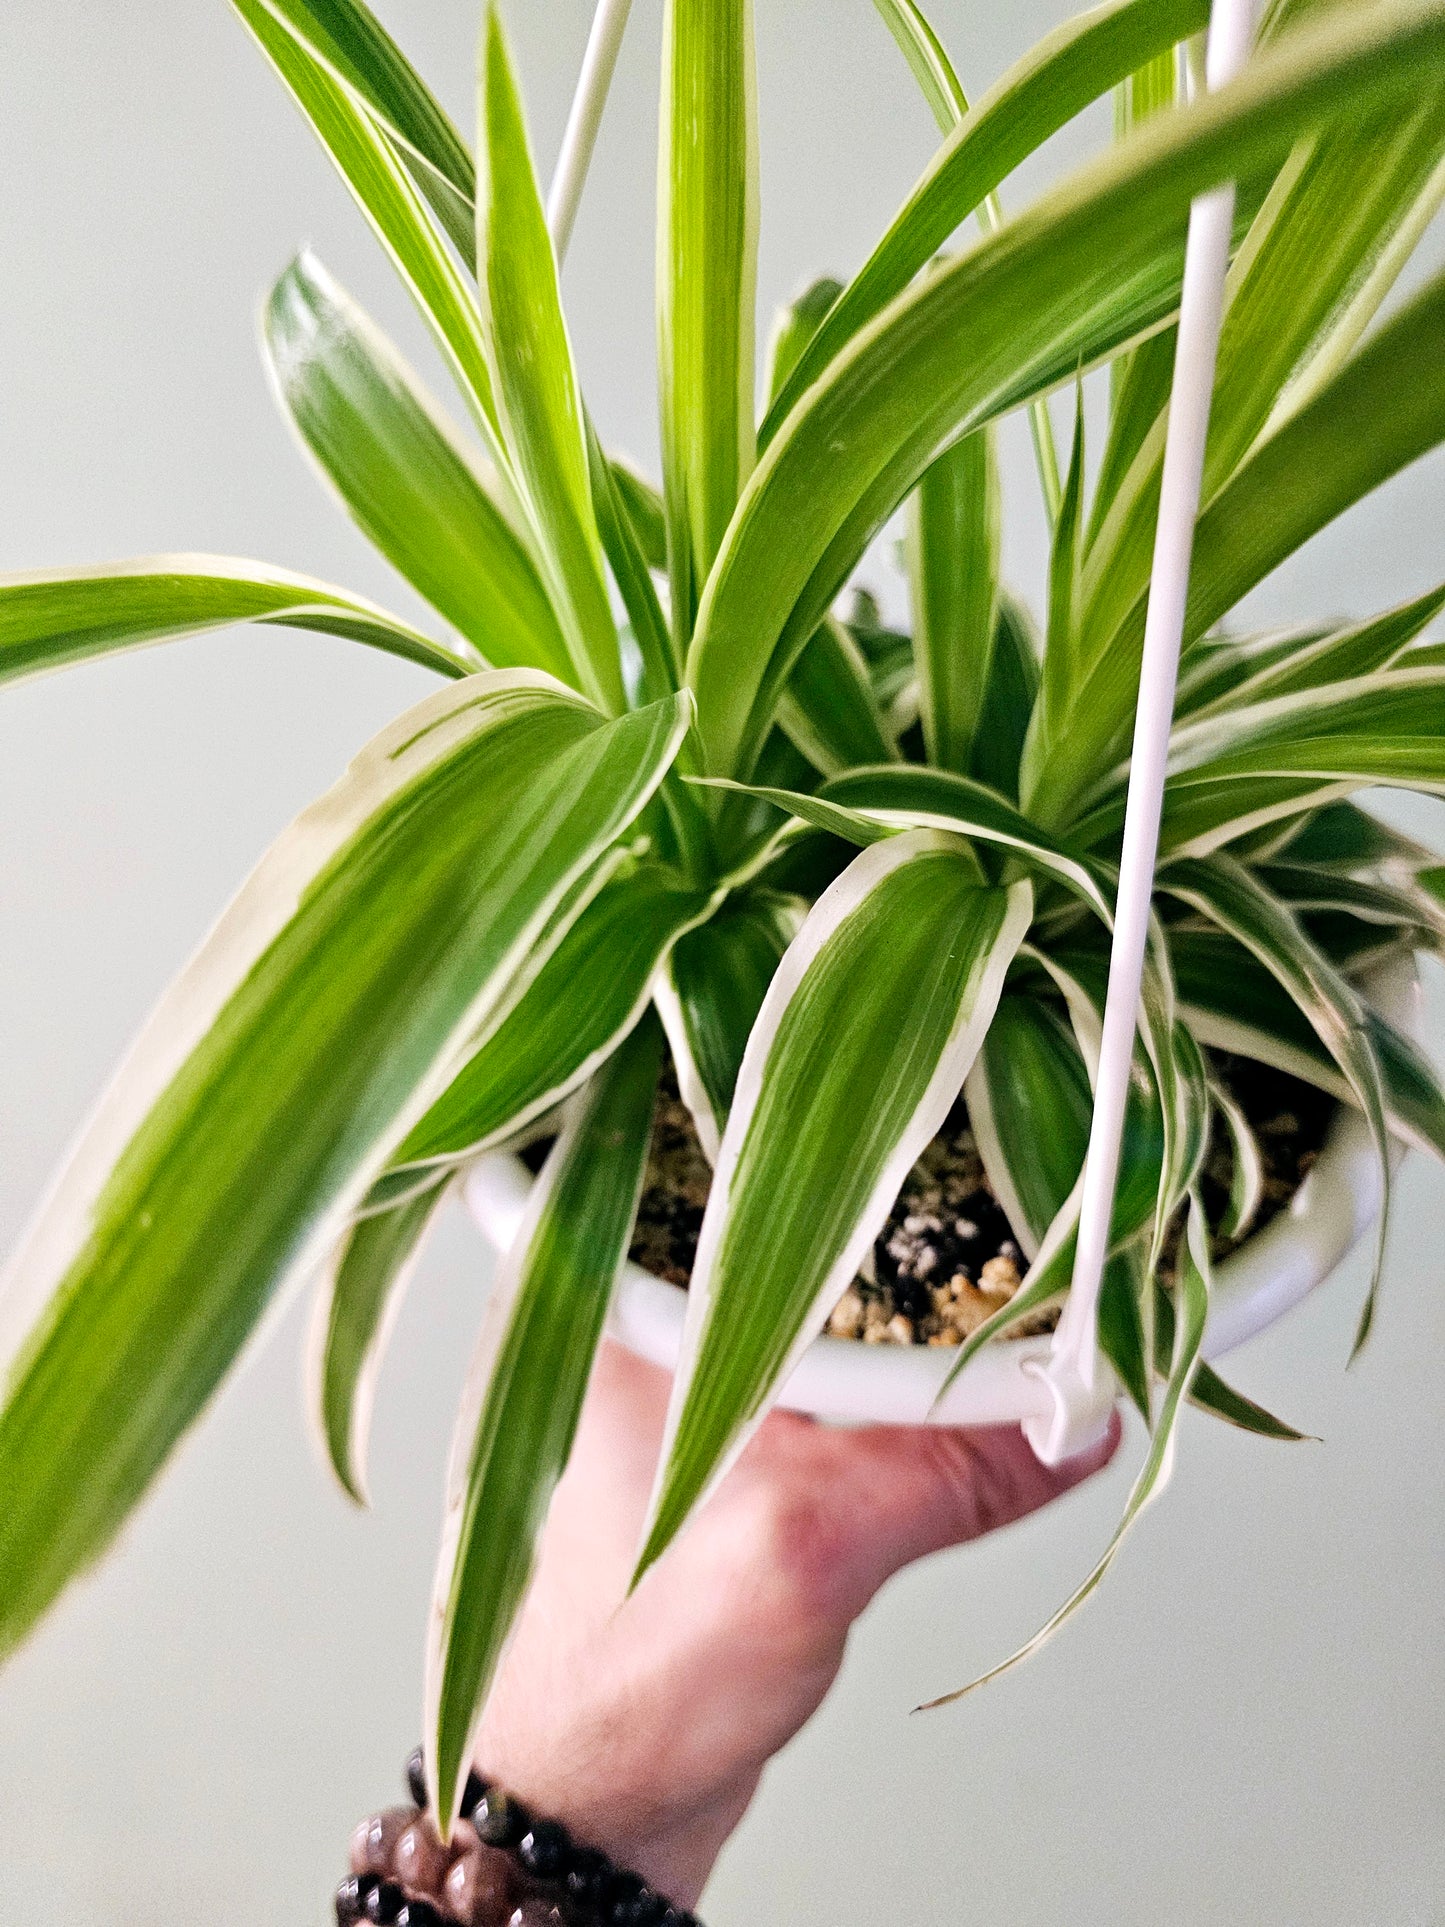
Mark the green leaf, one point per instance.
(1208, 1390)
(1029, 1103)
(706, 279)
(1062, 646)
(1085, 269)
(384, 191)
(1226, 893)
(1406, 911)
(1210, 1393)
(1246, 1183)
(1330, 215)
(50, 621)
(864, 1038)
(1231, 1002)
(524, 1395)
(1058, 78)
(795, 327)
(1126, 1292)
(1413, 1088)
(399, 470)
(628, 561)
(1193, 1295)
(323, 1016)
(829, 709)
(1382, 728)
(1361, 649)
(867, 805)
(891, 669)
(1381, 412)
(953, 557)
(359, 1295)
(1345, 837)
(942, 89)
(1332, 210)
(932, 69)
(530, 358)
(644, 510)
(1008, 701)
(1137, 396)
(709, 997)
(587, 996)
(358, 51)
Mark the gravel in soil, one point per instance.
(947, 1258)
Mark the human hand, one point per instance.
(645, 1723)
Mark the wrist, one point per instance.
(616, 1802)
(506, 1865)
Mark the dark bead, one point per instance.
(418, 1913)
(419, 1861)
(646, 1909)
(621, 1890)
(499, 1822)
(544, 1848)
(384, 1903)
(349, 1897)
(416, 1776)
(587, 1876)
(481, 1885)
(474, 1791)
(374, 1841)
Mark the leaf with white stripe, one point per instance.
(829, 709)
(381, 442)
(1382, 728)
(48, 621)
(385, 192)
(359, 52)
(709, 996)
(1239, 904)
(584, 1000)
(953, 559)
(993, 328)
(534, 379)
(1232, 1002)
(1361, 649)
(1384, 410)
(524, 1395)
(866, 805)
(1029, 1104)
(1192, 1291)
(327, 1010)
(707, 240)
(1058, 78)
(864, 1038)
(1246, 1178)
(357, 1300)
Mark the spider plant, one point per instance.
(668, 797)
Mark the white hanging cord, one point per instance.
(1081, 1383)
(598, 65)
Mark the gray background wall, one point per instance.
(1247, 1724)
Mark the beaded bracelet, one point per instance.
(502, 1868)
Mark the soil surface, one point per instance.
(947, 1258)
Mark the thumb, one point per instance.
(906, 1491)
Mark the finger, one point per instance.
(899, 1493)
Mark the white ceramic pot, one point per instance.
(840, 1379)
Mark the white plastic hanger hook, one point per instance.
(1081, 1381)
(599, 63)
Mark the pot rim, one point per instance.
(844, 1380)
